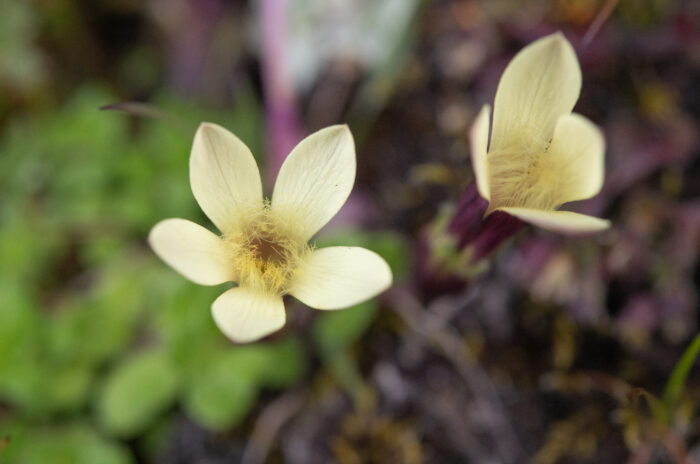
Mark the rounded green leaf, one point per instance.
(70, 444)
(223, 392)
(134, 394)
(285, 363)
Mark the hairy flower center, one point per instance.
(529, 180)
(266, 252)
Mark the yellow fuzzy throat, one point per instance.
(528, 180)
(266, 252)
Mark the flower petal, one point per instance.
(560, 221)
(338, 277)
(479, 140)
(191, 250)
(316, 178)
(245, 315)
(224, 176)
(540, 84)
(577, 148)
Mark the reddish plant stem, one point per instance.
(281, 115)
(468, 217)
(598, 21)
(472, 234)
(496, 229)
(471, 229)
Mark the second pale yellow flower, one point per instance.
(540, 155)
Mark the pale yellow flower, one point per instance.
(264, 245)
(541, 155)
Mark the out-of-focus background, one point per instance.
(560, 349)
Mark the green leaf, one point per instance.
(93, 331)
(20, 326)
(183, 318)
(285, 363)
(22, 384)
(12, 438)
(223, 392)
(69, 387)
(137, 392)
(156, 439)
(69, 444)
(22, 369)
(224, 389)
(676, 382)
(334, 331)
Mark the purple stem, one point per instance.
(470, 228)
(467, 219)
(496, 229)
(281, 115)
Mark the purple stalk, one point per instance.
(281, 115)
(283, 128)
(467, 219)
(473, 234)
(496, 229)
(482, 235)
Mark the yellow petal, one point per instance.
(559, 221)
(338, 277)
(479, 140)
(316, 178)
(244, 315)
(540, 84)
(577, 151)
(224, 176)
(191, 250)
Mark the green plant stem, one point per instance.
(676, 381)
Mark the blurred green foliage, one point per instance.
(137, 391)
(91, 320)
(226, 384)
(71, 443)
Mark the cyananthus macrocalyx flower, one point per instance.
(264, 244)
(541, 155)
